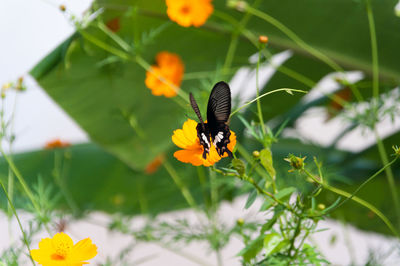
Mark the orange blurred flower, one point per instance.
(186, 138)
(113, 24)
(61, 251)
(169, 68)
(189, 12)
(155, 164)
(57, 143)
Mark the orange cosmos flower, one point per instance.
(189, 12)
(186, 138)
(169, 68)
(61, 251)
(56, 143)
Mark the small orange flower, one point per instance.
(169, 68)
(155, 164)
(113, 24)
(57, 143)
(189, 12)
(61, 251)
(186, 138)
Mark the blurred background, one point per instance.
(66, 100)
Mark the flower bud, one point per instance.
(256, 154)
(297, 163)
(240, 222)
(263, 39)
(396, 150)
(238, 5)
(321, 206)
(62, 8)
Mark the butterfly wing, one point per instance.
(218, 112)
(219, 105)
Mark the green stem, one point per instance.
(114, 36)
(21, 180)
(59, 180)
(301, 43)
(235, 38)
(374, 49)
(367, 181)
(389, 175)
(19, 222)
(254, 40)
(259, 110)
(203, 183)
(214, 190)
(178, 181)
(137, 59)
(99, 43)
(290, 91)
(356, 199)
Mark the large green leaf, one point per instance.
(104, 99)
(97, 180)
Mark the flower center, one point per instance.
(57, 257)
(61, 251)
(185, 10)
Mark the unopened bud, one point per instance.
(396, 150)
(238, 5)
(321, 206)
(63, 8)
(263, 39)
(240, 222)
(296, 162)
(256, 154)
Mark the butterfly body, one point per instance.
(216, 130)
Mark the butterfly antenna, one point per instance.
(196, 109)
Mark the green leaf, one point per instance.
(271, 242)
(252, 249)
(285, 193)
(250, 200)
(267, 162)
(239, 166)
(267, 204)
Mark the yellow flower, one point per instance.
(170, 68)
(186, 138)
(61, 251)
(189, 12)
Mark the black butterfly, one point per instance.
(218, 111)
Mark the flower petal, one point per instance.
(180, 139)
(83, 250)
(189, 156)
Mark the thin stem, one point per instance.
(389, 175)
(203, 183)
(259, 110)
(288, 32)
(290, 91)
(59, 179)
(114, 36)
(235, 39)
(137, 59)
(21, 180)
(374, 49)
(19, 222)
(356, 199)
(178, 181)
(368, 180)
(214, 190)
